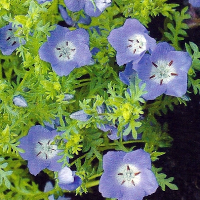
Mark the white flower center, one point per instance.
(45, 150)
(137, 44)
(163, 72)
(10, 37)
(128, 175)
(102, 4)
(65, 51)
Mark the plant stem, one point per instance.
(92, 184)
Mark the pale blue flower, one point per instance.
(131, 41)
(8, 41)
(164, 71)
(40, 149)
(127, 176)
(66, 50)
(68, 180)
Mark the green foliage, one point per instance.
(193, 50)
(175, 30)
(4, 174)
(146, 9)
(161, 105)
(163, 181)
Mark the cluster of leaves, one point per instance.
(146, 9)
(175, 28)
(193, 50)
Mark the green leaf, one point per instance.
(163, 181)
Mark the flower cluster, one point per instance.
(41, 151)
(163, 70)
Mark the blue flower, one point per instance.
(128, 74)
(66, 50)
(49, 187)
(53, 124)
(75, 5)
(42, 1)
(8, 41)
(127, 175)
(68, 20)
(68, 180)
(65, 16)
(111, 129)
(195, 3)
(88, 6)
(131, 41)
(40, 151)
(80, 115)
(164, 71)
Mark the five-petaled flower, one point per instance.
(8, 41)
(131, 41)
(68, 180)
(66, 50)
(164, 71)
(127, 175)
(88, 6)
(40, 150)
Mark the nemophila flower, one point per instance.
(164, 71)
(195, 3)
(100, 6)
(40, 151)
(127, 175)
(49, 187)
(19, 101)
(68, 20)
(131, 41)
(80, 115)
(91, 7)
(53, 124)
(111, 129)
(65, 16)
(66, 50)
(128, 74)
(42, 1)
(8, 41)
(68, 180)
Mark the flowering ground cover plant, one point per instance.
(84, 85)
